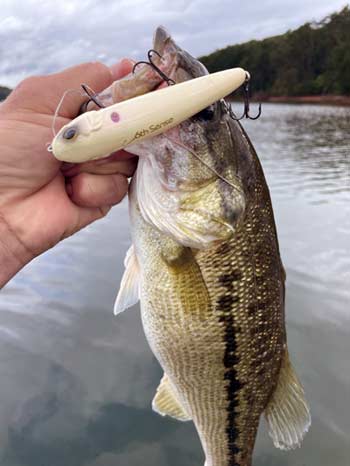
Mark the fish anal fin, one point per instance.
(287, 413)
(128, 294)
(166, 403)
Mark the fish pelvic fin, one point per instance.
(287, 413)
(128, 294)
(166, 402)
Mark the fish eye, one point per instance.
(70, 133)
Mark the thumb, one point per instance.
(43, 93)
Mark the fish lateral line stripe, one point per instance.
(224, 305)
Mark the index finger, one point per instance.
(42, 94)
(96, 75)
(110, 164)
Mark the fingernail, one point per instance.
(105, 209)
(123, 64)
(127, 60)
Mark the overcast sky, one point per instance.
(43, 36)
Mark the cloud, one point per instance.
(42, 36)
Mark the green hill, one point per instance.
(311, 60)
(4, 92)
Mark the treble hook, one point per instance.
(246, 104)
(166, 78)
(92, 98)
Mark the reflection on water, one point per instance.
(76, 383)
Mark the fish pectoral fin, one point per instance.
(166, 403)
(287, 413)
(128, 294)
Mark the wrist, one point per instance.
(13, 254)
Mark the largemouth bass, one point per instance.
(206, 267)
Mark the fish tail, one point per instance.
(287, 413)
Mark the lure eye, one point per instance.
(70, 133)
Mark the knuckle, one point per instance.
(26, 92)
(79, 185)
(96, 67)
(85, 186)
(104, 210)
(28, 85)
(99, 190)
(120, 184)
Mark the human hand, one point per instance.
(43, 201)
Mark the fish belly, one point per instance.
(189, 344)
(216, 332)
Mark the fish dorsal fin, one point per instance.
(128, 294)
(166, 403)
(287, 413)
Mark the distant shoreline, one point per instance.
(338, 100)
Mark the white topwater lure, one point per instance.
(96, 134)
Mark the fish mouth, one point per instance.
(162, 40)
(175, 62)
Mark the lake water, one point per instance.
(76, 382)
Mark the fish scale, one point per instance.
(199, 336)
(206, 266)
(223, 327)
(251, 377)
(205, 261)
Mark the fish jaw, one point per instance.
(188, 321)
(167, 191)
(143, 78)
(181, 65)
(180, 170)
(161, 38)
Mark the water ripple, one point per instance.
(76, 383)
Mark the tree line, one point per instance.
(311, 60)
(4, 92)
